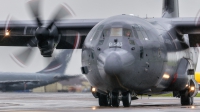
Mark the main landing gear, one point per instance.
(114, 98)
(185, 98)
(126, 99)
(187, 95)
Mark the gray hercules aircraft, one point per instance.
(122, 56)
(24, 81)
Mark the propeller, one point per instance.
(45, 31)
(48, 35)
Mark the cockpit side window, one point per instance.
(95, 33)
(98, 32)
(135, 32)
(106, 33)
(91, 34)
(139, 32)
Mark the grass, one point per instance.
(170, 95)
(198, 95)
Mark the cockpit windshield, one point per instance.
(116, 32)
(119, 32)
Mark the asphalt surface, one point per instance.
(73, 102)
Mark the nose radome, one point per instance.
(113, 64)
(118, 61)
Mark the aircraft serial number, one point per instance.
(111, 44)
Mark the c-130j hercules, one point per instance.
(122, 56)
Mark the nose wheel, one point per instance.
(104, 100)
(115, 99)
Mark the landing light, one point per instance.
(93, 108)
(7, 33)
(192, 88)
(93, 89)
(166, 76)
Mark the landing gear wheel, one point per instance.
(186, 99)
(115, 99)
(104, 100)
(126, 99)
(109, 99)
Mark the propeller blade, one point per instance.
(63, 11)
(34, 6)
(23, 58)
(33, 42)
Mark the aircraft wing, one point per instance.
(187, 25)
(190, 26)
(18, 33)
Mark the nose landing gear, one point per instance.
(104, 100)
(113, 99)
(125, 97)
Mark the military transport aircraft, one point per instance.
(52, 73)
(122, 56)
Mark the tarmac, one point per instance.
(85, 102)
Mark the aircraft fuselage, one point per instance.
(127, 53)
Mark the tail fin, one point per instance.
(59, 63)
(170, 9)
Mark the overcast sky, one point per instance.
(84, 9)
(97, 8)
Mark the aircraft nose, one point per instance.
(118, 62)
